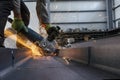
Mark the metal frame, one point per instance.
(117, 19)
(114, 8)
(78, 22)
(48, 7)
(29, 0)
(77, 0)
(78, 11)
(60, 0)
(113, 13)
(72, 12)
(109, 14)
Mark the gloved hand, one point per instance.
(19, 25)
(52, 32)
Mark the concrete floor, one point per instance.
(52, 68)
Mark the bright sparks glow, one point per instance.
(36, 51)
(66, 60)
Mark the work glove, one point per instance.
(52, 32)
(19, 25)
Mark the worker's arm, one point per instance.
(17, 23)
(25, 13)
(16, 10)
(44, 19)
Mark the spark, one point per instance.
(21, 39)
(66, 60)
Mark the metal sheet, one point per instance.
(78, 17)
(49, 68)
(117, 13)
(117, 24)
(43, 68)
(8, 56)
(77, 5)
(5, 58)
(20, 54)
(105, 41)
(106, 56)
(117, 2)
(77, 54)
(29, 0)
(104, 53)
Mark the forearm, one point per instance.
(42, 12)
(17, 23)
(16, 10)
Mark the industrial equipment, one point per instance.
(37, 39)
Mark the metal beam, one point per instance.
(78, 22)
(116, 19)
(77, 0)
(48, 7)
(109, 14)
(78, 11)
(60, 0)
(29, 0)
(116, 7)
(114, 24)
